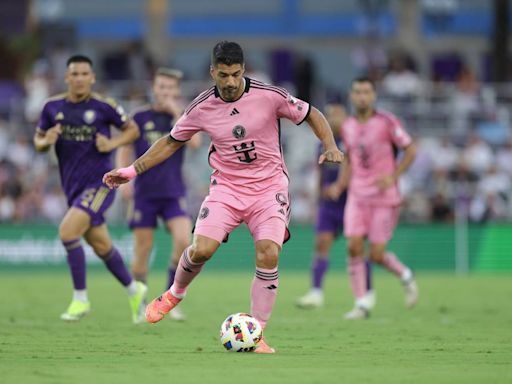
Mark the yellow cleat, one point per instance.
(138, 303)
(76, 310)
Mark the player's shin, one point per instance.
(318, 269)
(115, 264)
(186, 271)
(391, 262)
(357, 273)
(264, 293)
(76, 262)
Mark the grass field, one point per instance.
(460, 333)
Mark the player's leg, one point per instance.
(190, 264)
(383, 223)
(142, 246)
(355, 224)
(180, 229)
(71, 229)
(216, 220)
(371, 296)
(315, 297)
(99, 239)
(267, 218)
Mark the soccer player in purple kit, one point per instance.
(249, 182)
(160, 192)
(372, 138)
(78, 124)
(329, 220)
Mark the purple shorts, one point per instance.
(145, 212)
(330, 218)
(95, 200)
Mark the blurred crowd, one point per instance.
(462, 127)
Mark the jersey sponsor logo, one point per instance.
(234, 112)
(238, 132)
(149, 126)
(89, 116)
(59, 116)
(204, 213)
(245, 149)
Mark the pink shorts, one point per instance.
(376, 222)
(267, 215)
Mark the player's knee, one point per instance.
(101, 248)
(376, 255)
(199, 253)
(267, 255)
(355, 249)
(67, 234)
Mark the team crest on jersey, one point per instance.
(60, 116)
(281, 198)
(239, 132)
(89, 116)
(204, 213)
(149, 126)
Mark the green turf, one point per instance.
(460, 333)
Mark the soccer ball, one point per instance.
(240, 332)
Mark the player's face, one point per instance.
(165, 88)
(79, 78)
(362, 96)
(229, 80)
(335, 115)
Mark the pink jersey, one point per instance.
(371, 148)
(245, 151)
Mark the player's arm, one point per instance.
(320, 127)
(44, 140)
(335, 190)
(161, 150)
(407, 159)
(129, 133)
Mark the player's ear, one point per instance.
(212, 72)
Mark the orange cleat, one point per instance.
(159, 307)
(263, 347)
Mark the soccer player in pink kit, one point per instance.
(249, 182)
(371, 172)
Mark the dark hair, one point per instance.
(227, 52)
(79, 59)
(364, 79)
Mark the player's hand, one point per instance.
(52, 135)
(332, 192)
(385, 182)
(331, 156)
(115, 178)
(103, 143)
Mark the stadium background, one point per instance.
(440, 65)
(443, 66)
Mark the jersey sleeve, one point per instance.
(186, 126)
(399, 136)
(291, 108)
(116, 115)
(45, 120)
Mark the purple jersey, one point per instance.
(166, 179)
(328, 175)
(80, 163)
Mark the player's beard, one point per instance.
(230, 93)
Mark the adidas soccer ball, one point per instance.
(240, 332)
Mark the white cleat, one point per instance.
(371, 299)
(358, 313)
(177, 314)
(312, 299)
(411, 293)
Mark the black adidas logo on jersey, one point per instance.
(234, 112)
